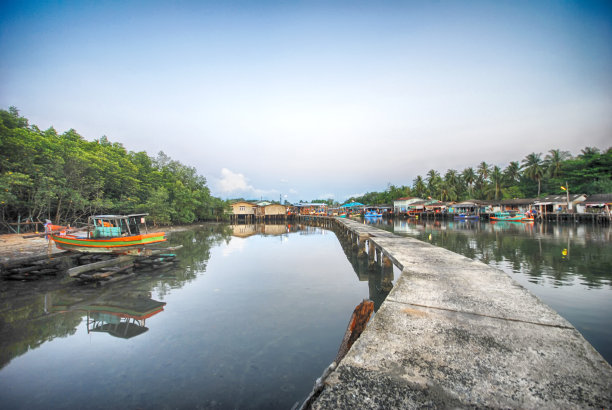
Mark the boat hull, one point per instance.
(122, 245)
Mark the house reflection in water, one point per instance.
(246, 230)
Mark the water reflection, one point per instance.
(542, 251)
(380, 276)
(34, 313)
(243, 321)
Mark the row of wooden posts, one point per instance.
(360, 243)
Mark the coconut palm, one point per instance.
(453, 182)
(553, 161)
(497, 178)
(483, 171)
(433, 181)
(447, 190)
(512, 173)
(588, 152)
(418, 186)
(469, 176)
(533, 168)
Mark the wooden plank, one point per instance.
(97, 265)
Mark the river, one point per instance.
(248, 320)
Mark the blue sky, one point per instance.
(311, 99)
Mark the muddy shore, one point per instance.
(15, 246)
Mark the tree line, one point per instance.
(536, 175)
(65, 178)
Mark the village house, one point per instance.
(467, 207)
(437, 207)
(243, 210)
(271, 211)
(558, 203)
(400, 205)
(597, 204)
(509, 205)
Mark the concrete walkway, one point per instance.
(455, 332)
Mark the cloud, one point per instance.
(234, 184)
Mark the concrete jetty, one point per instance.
(454, 332)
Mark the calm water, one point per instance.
(569, 267)
(249, 319)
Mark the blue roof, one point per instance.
(351, 205)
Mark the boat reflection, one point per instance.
(124, 319)
(121, 315)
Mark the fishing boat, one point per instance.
(373, 214)
(512, 217)
(119, 234)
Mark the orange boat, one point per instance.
(121, 234)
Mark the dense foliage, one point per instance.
(65, 178)
(590, 172)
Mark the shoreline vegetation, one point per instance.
(535, 176)
(65, 178)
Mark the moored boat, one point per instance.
(120, 234)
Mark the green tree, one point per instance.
(418, 188)
(553, 161)
(497, 179)
(532, 166)
(433, 183)
(469, 176)
(512, 173)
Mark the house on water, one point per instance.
(559, 203)
(400, 205)
(243, 211)
(272, 212)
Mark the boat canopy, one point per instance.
(113, 226)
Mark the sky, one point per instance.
(305, 100)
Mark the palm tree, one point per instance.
(588, 152)
(452, 180)
(533, 168)
(469, 176)
(512, 173)
(553, 161)
(447, 191)
(433, 181)
(496, 181)
(483, 171)
(418, 186)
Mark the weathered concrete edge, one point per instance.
(416, 354)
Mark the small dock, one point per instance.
(454, 332)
